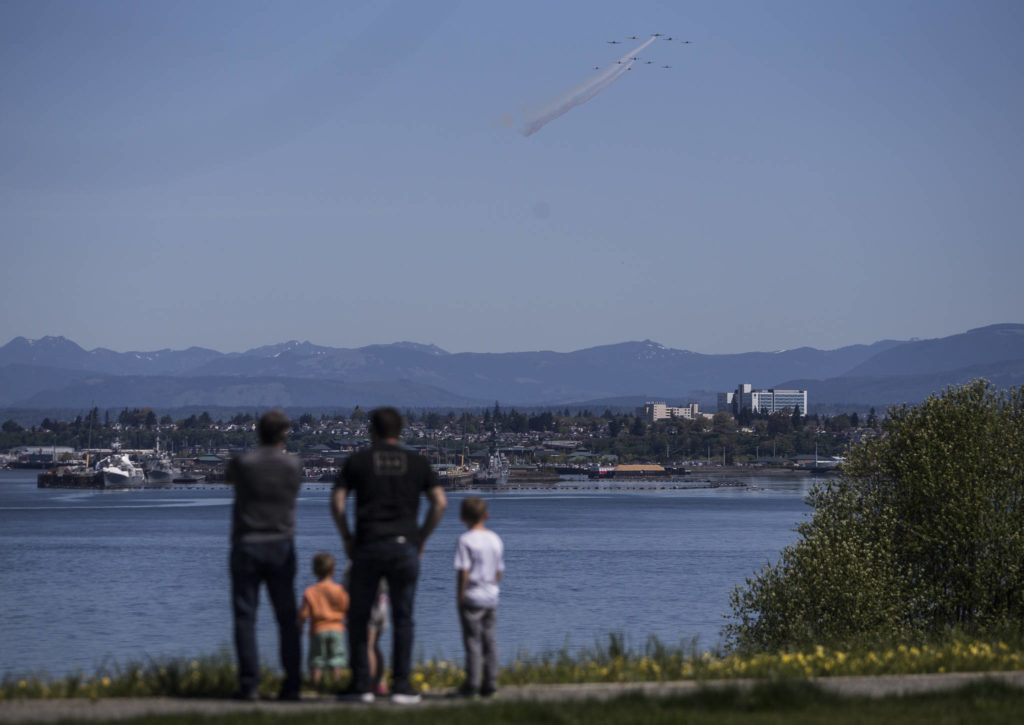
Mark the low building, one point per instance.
(770, 400)
(652, 411)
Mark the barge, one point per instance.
(64, 477)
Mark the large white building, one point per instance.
(762, 401)
(661, 411)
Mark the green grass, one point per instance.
(214, 676)
(793, 703)
(211, 676)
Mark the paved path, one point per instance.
(114, 708)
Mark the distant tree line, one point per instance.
(750, 437)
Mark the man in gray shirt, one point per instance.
(266, 485)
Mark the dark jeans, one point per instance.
(399, 563)
(272, 562)
(478, 627)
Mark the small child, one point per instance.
(479, 561)
(325, 604)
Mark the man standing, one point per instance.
(388, 542)
(266, 485)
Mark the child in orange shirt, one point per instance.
(325, 604)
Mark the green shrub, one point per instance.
(922, 533)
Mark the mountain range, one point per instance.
(54, 372)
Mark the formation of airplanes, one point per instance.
(637, 37)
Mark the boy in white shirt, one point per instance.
(479, 561)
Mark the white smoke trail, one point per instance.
(585, 92)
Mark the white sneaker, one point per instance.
(400, 698)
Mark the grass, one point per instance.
(615, 662)
(214, 676)
(790, 702)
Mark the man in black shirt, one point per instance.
(266, 485)
(388, 542)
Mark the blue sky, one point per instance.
(234, 174)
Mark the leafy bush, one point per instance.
(922, 533)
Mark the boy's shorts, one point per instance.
(327, 650)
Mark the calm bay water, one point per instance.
(88, 577)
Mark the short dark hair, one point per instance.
(273, 427)
(323, 564)
(385, 422)
(473, 510)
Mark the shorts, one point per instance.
(327, 650)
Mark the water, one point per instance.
(113, 576)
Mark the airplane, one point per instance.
(687, 42)
(649, 62)
(634, 37)
(656, 35)
(613, 42)
(597, 67)
(666, 66)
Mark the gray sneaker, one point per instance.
(406, 698)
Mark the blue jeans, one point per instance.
(399, 563)
(253, 563)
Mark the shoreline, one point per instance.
(696, 480)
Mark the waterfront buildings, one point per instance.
(762, 401)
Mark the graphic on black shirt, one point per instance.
(389, 463)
